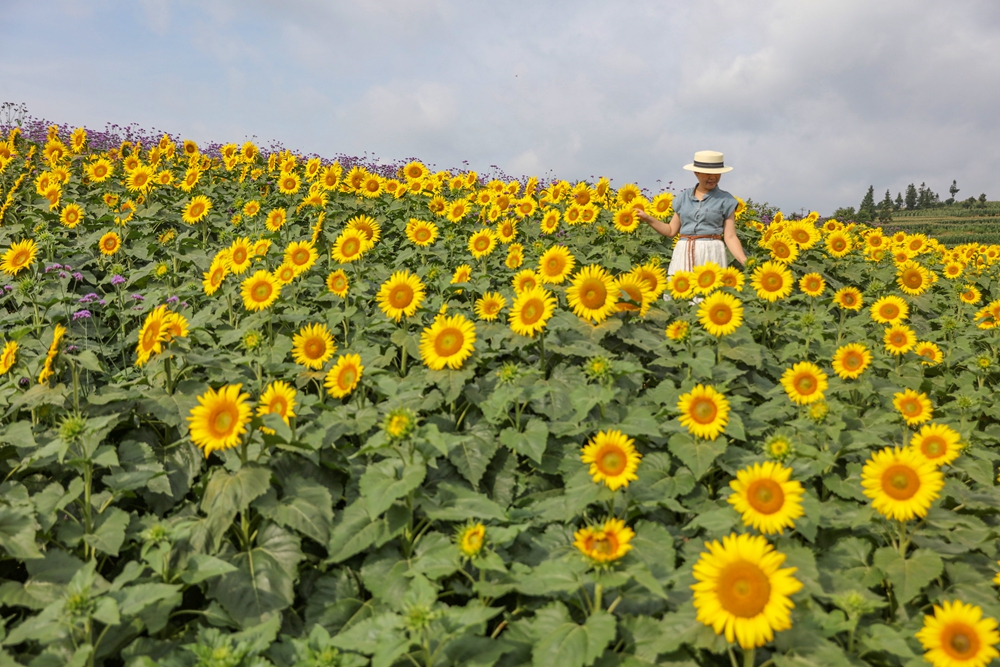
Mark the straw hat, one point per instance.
(708, 162)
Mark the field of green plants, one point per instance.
(955, 224)
(259, 408)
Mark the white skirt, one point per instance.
(705, 250)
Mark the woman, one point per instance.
(705, 218)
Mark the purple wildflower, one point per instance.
(81, 315)
(54, 267)
(117, 280)
(72, 348)
(78, 276)
(138, 297)
(172, 300)
(136, 307)
(184, 304)
(24, 382)
(102, 302)
(8, 288)
(67, 267)
(62, 274)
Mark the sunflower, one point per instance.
(8, 356)
(957, 635)
(914, 407)
(938, 443)
(953, 270)
(313, 345)
(901, 483)
(812, 284)
(447, 342)
(851, 360)
(970, 295)
(152, 335)
(889, 309)
(524, 280)
(337, 283)
(804, 382)
(196, 209)
(531, 311)
(654, 276)
(741, 592)
(259, 291)
(930, 352)
(20, 255)
(707, 277)
(732, 277)
(462, 274)
(625, 220)
(284, 274)
(301, 255)
(368, 225)
(57, 335)
(350, 246)
(550, 221)
(277, 399)
(415, 171)
(678, 330)
(275, 219)
(555, 265)
(216, 273)
(240, 255)
(627, 193)
(804, 234)
(899, 339)
(470, 539)
(289, 183)
(220, 418)
(139, 179)
(344, 375)
(635, 290)
(489, 305)
(71, 215)
(913, 278)
(766, 498)
(606, 543)
(592, 294)
(109, 243)
(772, 281)
(848, 298)
(515, 256)
(704, 412)
(421, 232)
(783, 249)
(482, 243)
(720, 314)
(682, 285)
(612, 458)
(100, 170)
(400, 295)
(506, 230)
(838, 243)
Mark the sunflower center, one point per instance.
(910, 407)
(780, 250)
(933, 447)
(553, 266)
(422, 234)
(704, 410)
(240, 255)
(611, 461)
(961, 641)
(482, 243)
(347, 377)
(401, 296)
(852, 361)
(223, 420)
(900, 482)
(300, 257)
(449, 342)
(532, 311)
(196, 209)
(765, 496)
(605, 545)
(848, 299)
(838, 245)
(314, 348)
(772, 282)
(806, 384)
(278, 406)
(261, 291)
(706, 279)
(913, 279)
(350, 247)
(20, 257)
(744, 589)
(593, 294)
(149, 337)
(721, 314)
(889, 311)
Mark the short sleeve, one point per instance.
(729, 207)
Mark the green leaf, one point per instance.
(109, 533)
(471, 453)
(389, 479)
(455, 503)
(553, 576)
(134, 599)
(264, 578)
(381, 636)
(306, 506)
(19, 434)
(530, 443)
(563, 642)
(227, 494)
(908, 577)
(17, 532)
(201, 567)
(697, 454)
(354, 532)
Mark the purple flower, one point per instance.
(72, 348)
(54, 267)
(24, 382)
(172, 300)
(102, 302)
(138, 297)
(8, 288)
(67, 267)
(78, 276)
(117, 280)
(184, 304)
(62, 274)
(81, 315)
(136, 307)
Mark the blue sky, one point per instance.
(810, 101)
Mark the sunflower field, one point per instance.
(259, 408)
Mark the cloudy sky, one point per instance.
(810, 101)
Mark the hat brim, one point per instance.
(706, 170)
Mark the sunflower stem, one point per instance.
(598, 594)
(749, 656)
(732, 656)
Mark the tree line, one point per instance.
(915, 199)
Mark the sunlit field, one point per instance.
(260, 408)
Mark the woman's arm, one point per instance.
(667, 229)
(733, 241)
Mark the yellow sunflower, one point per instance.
(515, 256)
(720, 313)
(470, 539)
(970, 295)
(839, 243)
(707, 277)
(216, 273)
(57, 335)
(110, 243)
(415, 171)
(889, 310)
(804, 382)
(8, 356)
(482, 243)
(524, 280)
(196, 209)
(421, 233)
(635, 289)
(912, 278)
(625, 220)
(592, 294)
(901, 483)
(220, 418)
(400, 295)
(848, 298)
(682, 285)
(766, 497)
(289, 183)
(344, 375)
(350, 246)
(957, 635)
(930, 352)
(531, 311)
(704, 412)
(449, 341)
(71, 215)
(654, 276)
(812, 284)
(489, 305)
(284, 274)
(313, 345)
(259, 291)
(772, 281)
(612, 458)
(462, 274)
(742, 591)
(914, 407)
(338, 283)
(550, 221)
(275, 219)
(301, 255)
(20, 255)
(368, 226)
(938, 443)
(678, 330)
(240, 255)
(851, 360)
(899, 339)
(277, 399)
(605, 543)
(152, 335)
(783, 249)
(555, 264)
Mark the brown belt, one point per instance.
(691, 238)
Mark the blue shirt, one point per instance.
(707, 216)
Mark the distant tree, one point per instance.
(982, 198)
(845, 214)
(953, 189)
(885, 209)
(923, 196)
(911, 197)
(866, 211)
(899, 201)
